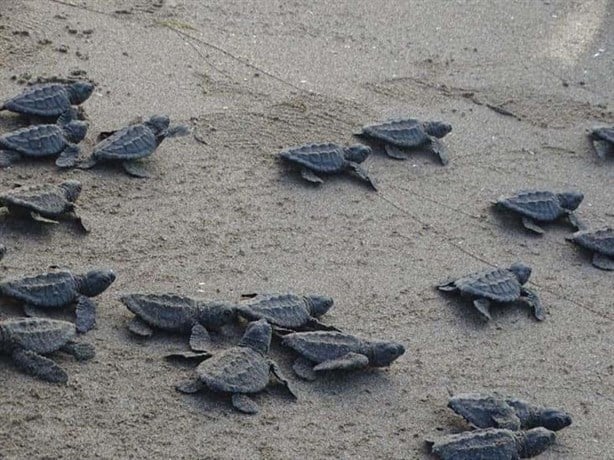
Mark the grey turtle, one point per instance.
(240, 370)
(26, 340)
(329, 159)
(57, 290)
(494, 411)
(58, 140)
(403, 135)
(493, 444)
(501, 285)
(45, 202)
(543, 206)
(603, 141)
(132, 143)
(329, 350)
(287, 312)
(175, 313)
(601, 242)
(49, 100)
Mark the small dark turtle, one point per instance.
(175, 313)
(49, 100)
(494, 411)
(603, 141)
(501, 285)
(329, 159)
(45, 202)
(493, 444)
(543, 206)
(40, 141)
(58, 290)
(239, 370)
(601, 242)
(399, 136)
(133, 143)
(27, 339)
(287, 312)
(329, 350)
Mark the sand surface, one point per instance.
(220, 216)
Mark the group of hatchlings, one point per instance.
(504, 427)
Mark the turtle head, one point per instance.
(75, 130)
(72, 189)
(570, 200)
(214, 315)
(79, 91)
(533, 442)
(553, 419)
(158, 123)
(437, 129)
(384, 353)
(318, 304)
(96, 281)
(257, 336)
(522, 272)
(357, 153)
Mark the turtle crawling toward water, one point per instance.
(603, 141)
(329, 159)
(601, 242)
(502, 285)
(27, 340)
(45, 202)
(328, 350)
(132, 143)
(240, 370)
(58, 290)
(403, 135)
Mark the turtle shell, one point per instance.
(235, 370)
(284, 310)
(601, 240)
(49, 100)
(323, 158)
(605, 134)
(500, 285)
(485, 411)
(538, 205)
(406, 133)
(322, 346)
(168, 312)
(46, 199)
(35, 141)
(480, 444)
(130, 143)
(40, 335)
(47, 290)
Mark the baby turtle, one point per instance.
(501, 285)
(40, 141)
(27, 339)
(58, 290)
(45, 202)
(239, 370)
(134, 142)
(601, 242)
(493, 444)
(494, 411)
(543, 206)
(329, 350)
(329, 159)
(175, 313)
(49, 100)
(603, 141)
(399, 136)
(287, 312)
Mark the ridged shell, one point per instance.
(485, 411)
(235, 370)
(284, 310)
(46, 199)
(48, 100)
(40, 335)
(168, 312)
(47, 290)
(132, 142)
(35, 141)
(324, 158)
(323, 345)
(606, 134)
(536, 204)
(401, 133)
(500, 285)
(601, 240)
(474, 445)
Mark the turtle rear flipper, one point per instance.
(244, 403)
(530, 224)
(8, 157)
(189, 386)
(310, 176)
(86, 314)
(39, 366)
(139, 327)
(395, 152)
(68, 157)
(362, 174)
(276, 371)
(348, 361)
(483, 307)
(304, 369)
(533, 301)
(199, 338)
(603, 262)
(135, 169)
(81, 351)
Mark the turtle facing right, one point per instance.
(601, 242)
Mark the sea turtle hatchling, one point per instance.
(329, 350)
(240, 370)
(400, 136)
(175, 313)
(603, 141)
(495, 411)
(601, 242)
(132, 143)
(26, 340)
(56, 140)
(49, 100)
(57, 290)
(492, 444)
(501, 285)
(543, 206)
(45, 202)
(327, 159)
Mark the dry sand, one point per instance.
(221, 217)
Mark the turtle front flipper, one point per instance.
(533, 301)
(576, 221)
(310, 176)
(39, 366)
(199, 338)
(38, 218)
(602, 148)
(530, 224)
(86, 314)
(349, 361)
(304, 369)
(81, 351)
(86, 164)
(188, 356)
(603, 262)
(440, 150)
(395, 152)
(362, 174)
(244, 403)
(139, 327)
(8, 157)
(68, 158)
(448, 285)
(316, 325)
(81, 223)
(483, 306)
(190, 386)
(135, 169)
(276, 371)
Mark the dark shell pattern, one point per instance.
(322, 346)
(601, 240)
(46, 290)
(45, 100)
(401, 133)
(539, 205)
(169, 312)
(324, 158)
(130, 143)
(500, 285)
(35, 141)
(39, 335)
(46, 199)
(284, 310)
